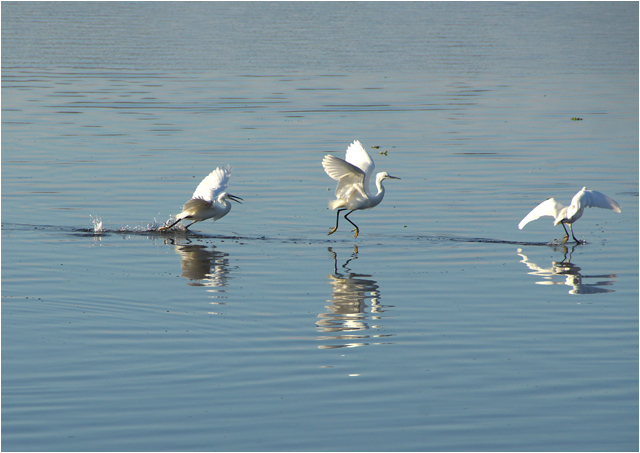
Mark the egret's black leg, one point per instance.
(333, 230)
(170, 226)
(346, 217)
(187, 227)
(572, 235)
(566, 237)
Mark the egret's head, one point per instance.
(384, 175)
(227, 196)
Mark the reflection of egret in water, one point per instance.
(346, 315)
(205, 267)
(571, 274)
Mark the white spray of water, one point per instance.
(97, 224)
(153, 226)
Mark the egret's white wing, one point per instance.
(595, 199)
(349, 187)
(549, 208)
(358, 156)
(214, 184)
(349, 176)
(338, 168)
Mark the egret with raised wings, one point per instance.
(209, 201)
(567, 215)
(353, 175)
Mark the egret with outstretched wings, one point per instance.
(567, 215)
(353, 174)
(209, 201)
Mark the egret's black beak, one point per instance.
(393, 177)
(235, 198)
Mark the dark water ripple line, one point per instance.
(173, 234)
(483, 240)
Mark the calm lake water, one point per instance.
(441, 327)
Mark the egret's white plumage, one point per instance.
(567, 215)
(209, 201)
(353, 175)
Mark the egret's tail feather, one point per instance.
(336, 204)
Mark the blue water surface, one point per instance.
(442, 327)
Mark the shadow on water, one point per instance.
(172, 236)
(346, 319)
(565, 272)
(151, 230)
(444, 238)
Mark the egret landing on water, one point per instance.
(209, 201)
(566, 215)
(353, 175)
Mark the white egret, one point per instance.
(567, 215)
(353, 175)
(209, 200)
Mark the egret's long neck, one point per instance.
(226, 206)
(377, 198)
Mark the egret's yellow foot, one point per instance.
(166, 227)
(357, 233)
(333, 230)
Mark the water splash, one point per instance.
(98, 228)
(97, 224)
(150, 227)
